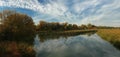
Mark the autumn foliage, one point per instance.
(56, 26)
(16, 24)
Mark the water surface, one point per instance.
(73, 46)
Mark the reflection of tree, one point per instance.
(16, 49)
(46, 36)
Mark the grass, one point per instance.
(111, 35)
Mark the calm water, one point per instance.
(73, 46)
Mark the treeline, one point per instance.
(56, 26)
(107, 27)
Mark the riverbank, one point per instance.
(110, 35)
(67, 32)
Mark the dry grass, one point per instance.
(111, 35)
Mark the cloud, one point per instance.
(99, 12)
(79, 7)
(50, 8)
(73, 11)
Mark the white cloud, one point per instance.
(79, 7)
(108, 15)
(54, 9)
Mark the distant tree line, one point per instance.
(107, 27)
(56, 26)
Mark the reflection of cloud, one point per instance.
(72, 11)
(84, 46)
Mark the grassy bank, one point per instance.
(111, 35)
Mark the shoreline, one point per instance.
(67, 32)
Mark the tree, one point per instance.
(0, 17)
(17, 24)
(90, 26)
(5, 13)
(83, 26)
(42, 25)
(69, 27)
(65, 26)
(75, 27)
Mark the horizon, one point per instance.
(96, 12)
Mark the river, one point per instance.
(74, 46)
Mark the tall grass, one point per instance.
(111, 35)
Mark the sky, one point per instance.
(97, 12)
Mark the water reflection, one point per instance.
(74, 46)
(48, 36)
(17, 47)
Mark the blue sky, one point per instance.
(97, 12)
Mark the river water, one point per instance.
(74, 46)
